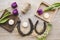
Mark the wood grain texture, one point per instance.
(53, 35)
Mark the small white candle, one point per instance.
(46, 15)
(11, 22)
(25, 24)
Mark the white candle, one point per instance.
(46, 15)
(25, 24)
(11, 22)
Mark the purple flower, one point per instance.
(15, 12)
(14, 5)
(40, 11)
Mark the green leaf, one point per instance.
(5, 15)
(4, 20)
(48, 8)
(5, 12)
(52, 7)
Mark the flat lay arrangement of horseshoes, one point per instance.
(10, 19)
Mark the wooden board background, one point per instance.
(53, 35)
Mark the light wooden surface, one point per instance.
(53, 35)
